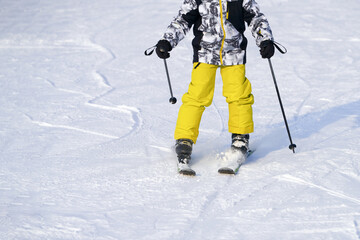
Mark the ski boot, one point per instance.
(183, 149)
(236, 155)
(240, 142)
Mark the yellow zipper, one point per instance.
(222, 26)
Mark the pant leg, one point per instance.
(237, 90)
(199, 96)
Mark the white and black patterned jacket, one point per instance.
(218, 27)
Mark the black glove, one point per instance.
(163, 48)
(267, 49)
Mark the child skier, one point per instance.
(219, 42)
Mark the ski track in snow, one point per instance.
(293, 179)
(48, 125)
(206, 210)
(357, 228)
(133, 112)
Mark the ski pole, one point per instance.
(148, 52)
(172, 100)
(292, 146)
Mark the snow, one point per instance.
(86, 133)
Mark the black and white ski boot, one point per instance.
(232, 159)
(240, 142)
(183, 149)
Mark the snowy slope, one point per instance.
(86, 130)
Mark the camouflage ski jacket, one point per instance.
(218, 27)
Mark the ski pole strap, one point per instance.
(280, 47)
(150, 50)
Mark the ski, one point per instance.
(233, 161)
(185, 169)
(228, 170)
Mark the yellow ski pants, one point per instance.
(236, 90)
